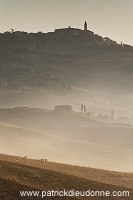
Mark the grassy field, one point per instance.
(27, 174)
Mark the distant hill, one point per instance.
(48, 118)
(66, 136)
(58, 60)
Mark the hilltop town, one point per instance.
(85, 37)
(66, 57)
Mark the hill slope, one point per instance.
(46, 179)
(55, 62)
(103, 176)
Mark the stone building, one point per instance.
(63, 108)
(74, 31)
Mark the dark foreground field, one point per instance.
(16, 177)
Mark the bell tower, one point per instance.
(85, 26)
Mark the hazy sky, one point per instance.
(112, 18)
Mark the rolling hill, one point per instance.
(55, 62)
(30, 175)
(79, 146)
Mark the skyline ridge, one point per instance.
(107, 18)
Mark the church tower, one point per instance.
(85, 26)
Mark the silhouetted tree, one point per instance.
(112, 115)
(82, 107)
